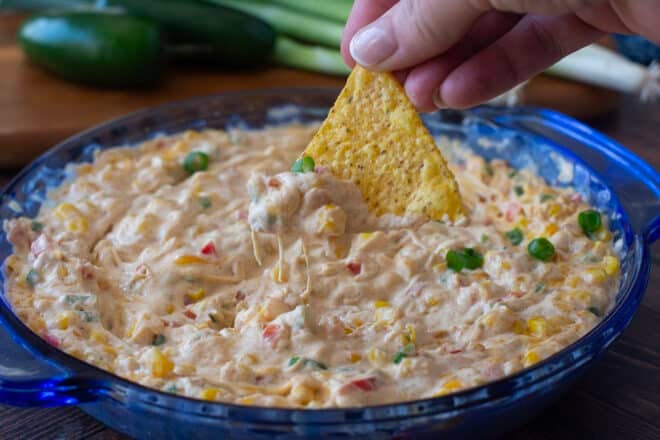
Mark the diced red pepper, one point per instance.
(456, 351)
(209, 249)
(190, 314)
(173, 324)
(274, 183)
(272, 334)
(52, 340)
(518, 294)
(354, 267)
(512, 211)
(366, 384)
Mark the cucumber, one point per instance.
(99, 48)
(235, 38)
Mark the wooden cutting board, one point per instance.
(38, 110)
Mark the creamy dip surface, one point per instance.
(251, 284)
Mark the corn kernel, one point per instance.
(523, 222)
(66, 210)
(537, 326)
(97, 336)
(519, 327)
(531, 357)
(384, 315)
(554, 209)
(411, 334)
(355, 357)
(572, 282)
(376, 356)
(64, 320)
(551, 229)
(440, 267)
(582, 296)
(246, 400)
(209, 394)
(405, 367)
(279, 275)
(604, 234)
(433, 301)
(379, 304)
(109, 350)
(197, 294)
(595, 275)
(302, 394)
(78, 224)
(62, 271)
(366, 235)
(449, 387)
(189, 259)
(611, 265)
(169, 308)
(348, 331)
(506, 265)
(161, 366)
(131, 330)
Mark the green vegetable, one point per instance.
(288, 22)
(595, 310)
(293, 360)
(205, 202)
(36, 226)
(88, 316)
(540, 287)
(158, 340)
(545, 197)
(518, 190)
(467, 258)
(101, 48)
(32, 277)
(541, 249)
(455, 261)
(338, 10)
(307, 165)
(213, 318)
(291, 53)
(316, 365)
(304, 165)
(75, 299)
(473, 259)
(589, 221)
(512, 174)
(407, 350)
(171, 389)
(196, 161)
(515, 236)
(232, 37)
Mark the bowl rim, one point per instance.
(575, 352)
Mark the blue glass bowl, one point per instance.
(565, 152)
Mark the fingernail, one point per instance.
(437, 99)
(371, 46)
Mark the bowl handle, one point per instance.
(652, 231)
(26, 379)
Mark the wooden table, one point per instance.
(618, 399)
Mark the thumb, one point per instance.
(412, 31)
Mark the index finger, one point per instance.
(362, 13)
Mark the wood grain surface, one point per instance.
(617, 399)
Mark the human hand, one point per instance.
(458, 53)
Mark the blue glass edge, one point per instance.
(636, 294)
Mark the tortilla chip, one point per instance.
(374, 137)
